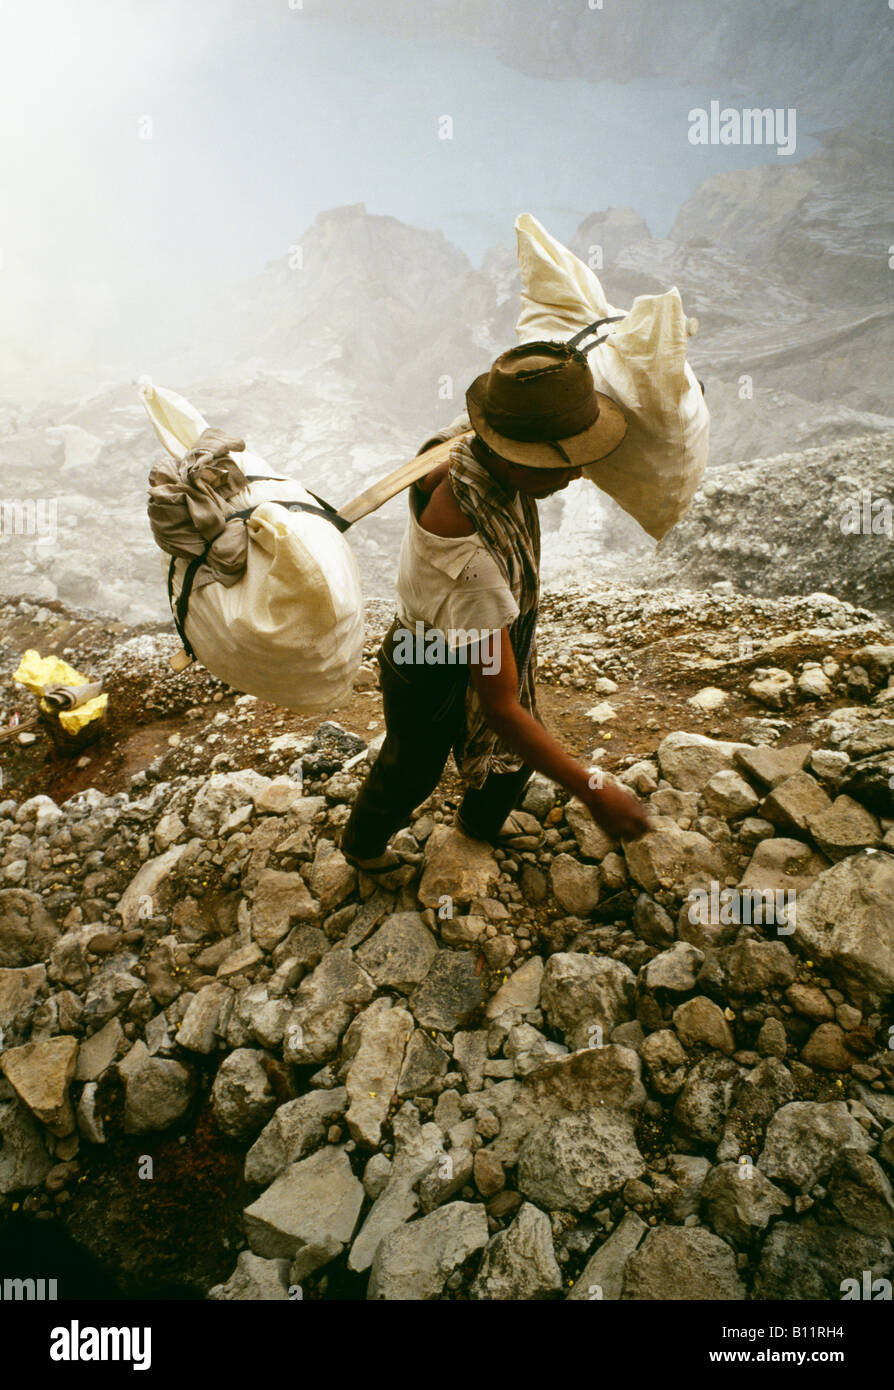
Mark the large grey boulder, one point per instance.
(40, 1074)
(242, 1096)
(861, 1194)
(569, 1163)
(783, 865)
(576, 887)
(845, 920)
(674, 970)
(520, 1262)
(560, 1086)
(400, 952)
(280, 900)
(158, 1090)
(707, 1095)
(417, 1149)
(27, 931)
(729, 796)
(416, 1260)
(682, 1263)
(206, 1018)
(602, 1277)
(324, 1006)
(748, 967)
(845, 828)
(609, 1076)
(450, 996)
(374, 1047)
(581, 994)
(294, 1129)
(812, 1260)
(689, 761)
(254, 1280)
(803, 1140)
(670, 858)
(456, 868)
(773, 765)
(738, 1200)
(793, 803)
(308, 1214)
(24, 1160)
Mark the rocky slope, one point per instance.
(842, 73)
(787, 272)
(792, 524)
(558, 1069)
(337, 368)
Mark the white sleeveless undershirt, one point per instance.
(451, 582)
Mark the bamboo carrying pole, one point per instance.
(23, 727)
(389, 486)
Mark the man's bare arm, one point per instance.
(496, 684)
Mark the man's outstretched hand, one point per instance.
(621, 815)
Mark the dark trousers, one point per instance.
(424, 713)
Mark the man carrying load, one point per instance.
(469, 579)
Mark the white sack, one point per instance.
(291, 629)
(656, 469)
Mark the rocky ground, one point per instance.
(564, 1068)
(785, 267)
(784, 524)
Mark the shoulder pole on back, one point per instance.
(389, 486)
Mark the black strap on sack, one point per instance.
(180, 610)
(327, 512)
(592, 330)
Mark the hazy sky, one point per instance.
(152, 151)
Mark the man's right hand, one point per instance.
(621, 815)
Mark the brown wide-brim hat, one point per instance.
(538, 406)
